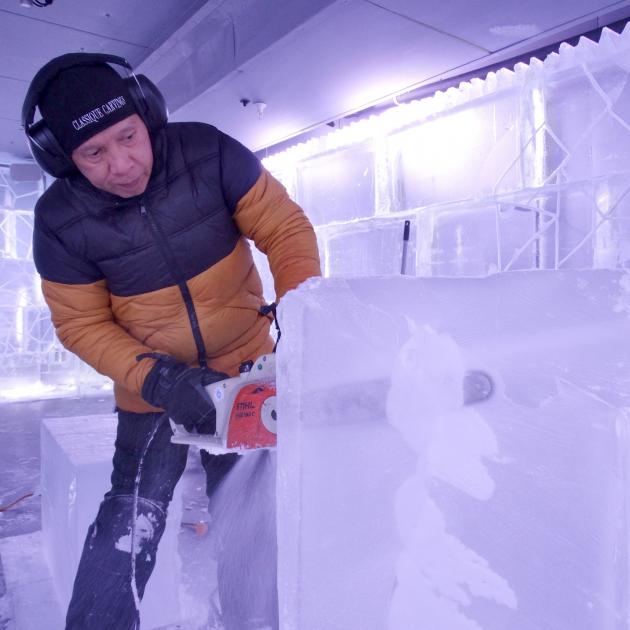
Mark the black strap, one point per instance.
(266, 310)
(158, 356)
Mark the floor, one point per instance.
(19, 455)
(25, 585)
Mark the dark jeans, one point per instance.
(102, 598)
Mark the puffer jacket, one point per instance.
(170, 271)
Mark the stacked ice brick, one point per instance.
(527, 169)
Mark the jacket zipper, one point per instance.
(180, 280)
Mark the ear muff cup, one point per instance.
(45, 148)
(47, 151)
(148, 101)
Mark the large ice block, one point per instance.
(370, 247)
(76, 460)
(399, 508)
(475, 239)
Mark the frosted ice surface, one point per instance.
(450, 443)
(478, 142)
(76, 456)
(338, 186)
(401, 509)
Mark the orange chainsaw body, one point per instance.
(250, 418)
(245, 411)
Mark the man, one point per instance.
(141, 247)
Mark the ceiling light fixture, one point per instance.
(27, 4)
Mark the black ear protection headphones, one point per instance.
(46, 149)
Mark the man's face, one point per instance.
(119, 159)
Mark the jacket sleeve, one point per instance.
(281, 230)
(83, 319)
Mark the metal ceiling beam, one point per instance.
(219, 37)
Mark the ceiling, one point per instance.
(309, 61)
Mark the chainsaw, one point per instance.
(246, 408)
(246, 411)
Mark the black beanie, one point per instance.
(82, 101)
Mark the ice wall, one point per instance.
(399, 508)
(526, 169)
(34, 364)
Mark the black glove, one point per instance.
(179, 389)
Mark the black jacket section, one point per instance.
(83, 234)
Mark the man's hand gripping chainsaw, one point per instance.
(245, 411)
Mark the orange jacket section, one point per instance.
(109, 331)
(281, 230)
(85, 324)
